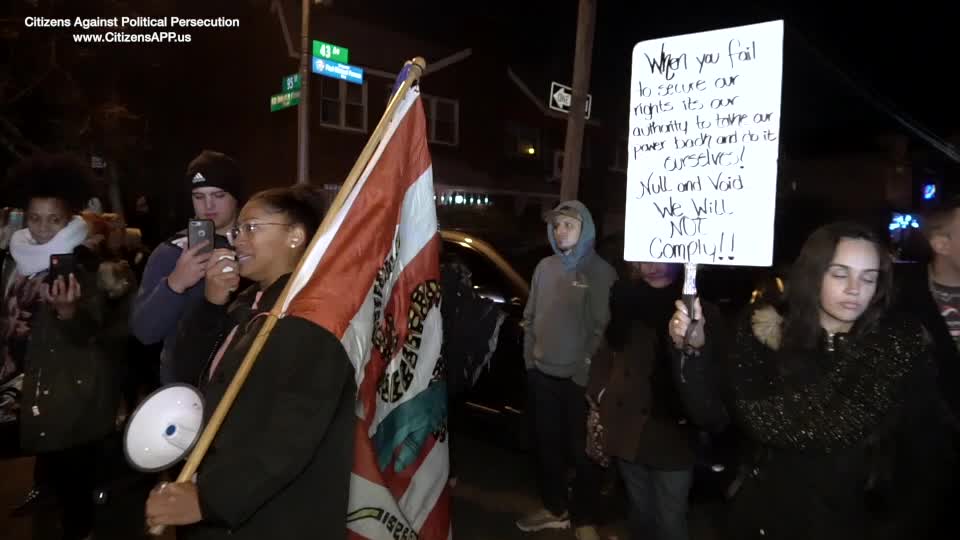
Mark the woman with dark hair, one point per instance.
(280, 465)
(54, 330)
(814, 389)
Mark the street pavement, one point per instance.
(495, 486)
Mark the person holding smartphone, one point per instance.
(173, 281)
(53, 330)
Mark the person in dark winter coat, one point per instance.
(929, 292)
(816, 389)
(471, 327)
(280, 465)
(60, 329)
(631, 384)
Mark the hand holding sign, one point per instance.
(703, 147)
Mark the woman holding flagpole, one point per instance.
(816, 388)
(280, 464)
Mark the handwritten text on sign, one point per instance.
(703, 146)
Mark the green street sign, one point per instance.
(329, 51)
(291, 83)
(284, 100)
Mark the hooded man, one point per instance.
(173, 281)
(565, 318)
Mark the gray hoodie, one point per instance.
(568, 309)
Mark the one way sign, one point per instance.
(560, 97)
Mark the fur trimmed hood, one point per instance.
(767, 325)
(115, 278)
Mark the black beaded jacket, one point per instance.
(816, 425)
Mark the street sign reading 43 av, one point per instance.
(560, 97)
(329, 51)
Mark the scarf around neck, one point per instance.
(32, 257)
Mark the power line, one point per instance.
(883, 105)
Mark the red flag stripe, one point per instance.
(437, 526)
(346, 262)
(365, 458)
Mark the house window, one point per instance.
(343, 105)
(523, 141)
(443, 120)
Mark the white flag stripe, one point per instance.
(367, 494)
(418, 219)
(427, 485)
(357, 342)
(313, 258)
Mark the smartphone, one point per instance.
(200, 230)
(62, 265)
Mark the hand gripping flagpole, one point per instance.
(413, 70)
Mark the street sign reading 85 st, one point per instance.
(291, 82)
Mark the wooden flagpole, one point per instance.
(417, 65)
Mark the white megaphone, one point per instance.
(164, 428)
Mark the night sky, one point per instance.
(899, 55)
(896, 55)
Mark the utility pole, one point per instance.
(303, 109)
(570, 177)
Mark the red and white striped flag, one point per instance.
(374, 284)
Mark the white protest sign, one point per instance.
(703, 147)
